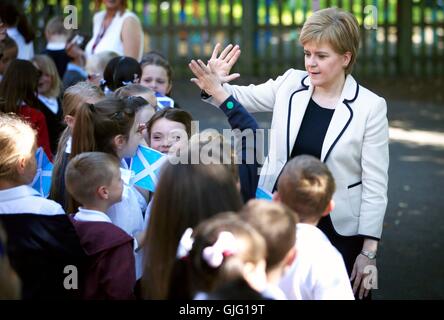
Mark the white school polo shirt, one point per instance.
(127, 214)
(318, 272)
(91, 216)
(24, 199)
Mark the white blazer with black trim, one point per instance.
(355, 147)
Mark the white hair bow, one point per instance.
(185, 244)
(225, 245)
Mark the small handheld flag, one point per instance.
(146, 166)
(42, 179)
(263, 194)
(164, 102)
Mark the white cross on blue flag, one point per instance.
(42, 179)
(146, 166)
(164, 102)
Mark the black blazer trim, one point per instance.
(346, 102)
(354, 185)
(304, 87)
(368, 237)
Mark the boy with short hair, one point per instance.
(306, 185)
(277, 225)
(93, 179)
(57, 36)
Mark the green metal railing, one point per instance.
(407, 36)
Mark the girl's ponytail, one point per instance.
(83, 139)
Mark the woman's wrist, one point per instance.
(370, 245)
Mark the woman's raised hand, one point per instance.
(208, 80)
(221, 65)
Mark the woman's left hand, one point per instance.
(359, 275)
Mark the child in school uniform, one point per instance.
(307, 186)
(96, 64)
(110, 126)
(56, 38)
(119, 72)
(226, 259)
(146, 112)
(41, 239)
(169, 130)
(93, 179)
(18, 95)
(277, 224)
(185, 195)
(156, 73)
(49, 89)
(73, 98)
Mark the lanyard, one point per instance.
(100, 35)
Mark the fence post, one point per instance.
(249, 23)
(86, 18)
(404, 32)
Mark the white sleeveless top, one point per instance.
(112, 39)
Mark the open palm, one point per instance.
(221, 65)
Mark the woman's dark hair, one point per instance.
(121, 71)
(19, 85)
(172, 114)
(157, 59)
(185, 195)
(12, 16)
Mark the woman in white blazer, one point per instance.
(324, 112)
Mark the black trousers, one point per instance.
(349, 247)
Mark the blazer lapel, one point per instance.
(341, 117)
(296, 109)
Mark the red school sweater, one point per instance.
(110, 272)
(38, 122)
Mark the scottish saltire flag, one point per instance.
(146, 167)
(42, 179)
(263, 194)
(164, 102)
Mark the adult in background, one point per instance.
(325, 113)
(116, 29)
